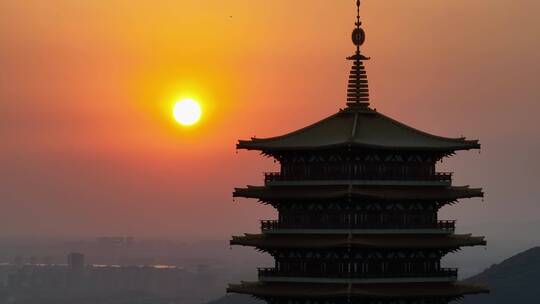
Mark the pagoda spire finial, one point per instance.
(358, 91)
(358, 24)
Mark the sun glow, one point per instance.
(187, 112)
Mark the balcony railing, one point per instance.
(438, 176)
(443, 176)
(273, 272)
(269, 225)
(272, 176)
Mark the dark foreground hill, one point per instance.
(515, 280)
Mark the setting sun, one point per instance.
(187, 112)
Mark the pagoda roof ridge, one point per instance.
(360, 126)
(418, 131)
(241, 143)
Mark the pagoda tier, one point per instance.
(354, 258)
(369, 164)
(309, 293)
(348, 209)
(446, 194)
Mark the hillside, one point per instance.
(513, 280)
(236, 299)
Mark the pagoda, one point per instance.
(358, 196)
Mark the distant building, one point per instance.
(18, 260)
(76, 261)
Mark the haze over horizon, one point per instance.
(90, 147)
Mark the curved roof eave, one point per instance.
(264, 193)
(362, 128)
(250, 145)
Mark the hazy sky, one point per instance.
(89, 146)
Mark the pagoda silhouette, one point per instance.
(358, 196)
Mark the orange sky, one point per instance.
(89, 145)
